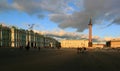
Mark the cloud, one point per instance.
(117, 20)
(41, 16)
(77, 20)
(38, 6)
(5, 6)
(68, 13)
(61, 34)
(59, 18)
(30, 7)
(107, 10)
(111, 38)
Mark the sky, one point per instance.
(64, 19)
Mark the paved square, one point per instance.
(58, 60)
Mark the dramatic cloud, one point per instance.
(77, 20)
(59, 18)
(41, 16)
(99, 10)
(38, 6)
(61, 34)
(94, 8)
(110, 38)
(4, 5)
(59, 9)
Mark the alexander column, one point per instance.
(90, 33)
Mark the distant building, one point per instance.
(51, 43)
(5, 36)
(17, 38)
(98, 44)
(113, 43)
(39, 40)
(73, 43)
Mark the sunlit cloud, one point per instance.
(111, 38)
(60, 34)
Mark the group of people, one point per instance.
(28, 47)
(81, 49)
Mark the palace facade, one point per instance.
(15, 38)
